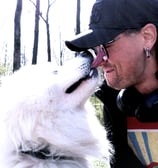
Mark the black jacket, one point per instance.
(115, 124)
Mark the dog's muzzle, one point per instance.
(92, 72)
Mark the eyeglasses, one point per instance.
(102, 51)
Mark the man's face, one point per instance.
(126, 62)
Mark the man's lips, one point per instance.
(108, 70)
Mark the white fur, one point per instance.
(35, 111)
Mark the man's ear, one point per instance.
(149, 33)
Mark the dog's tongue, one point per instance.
(99, 58)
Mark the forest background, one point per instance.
(33, 31)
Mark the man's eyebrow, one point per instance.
(108, 45)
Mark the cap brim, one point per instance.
(92, 38)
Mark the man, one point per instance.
(123, 34)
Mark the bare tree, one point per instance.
(17, 36)
(36, 31)
(78, 22)
(46, 20)
(78, 30)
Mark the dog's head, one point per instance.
(49, 85)
(76, 79)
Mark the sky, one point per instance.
(62, 24)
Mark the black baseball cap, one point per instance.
(109, 18)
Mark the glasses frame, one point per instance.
(104, 47)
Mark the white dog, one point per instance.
(44, 120)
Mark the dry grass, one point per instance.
(100, 164)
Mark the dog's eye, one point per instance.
(55, 72)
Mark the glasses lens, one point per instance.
(103, 51)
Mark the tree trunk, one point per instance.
(78, 30)
(36, 32)
(48, 37)
(48, 43)
(17, 36)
